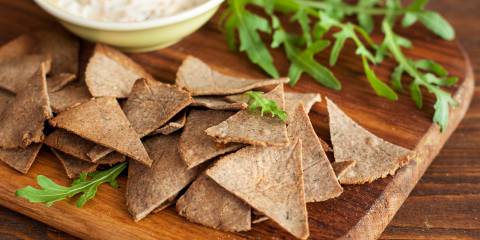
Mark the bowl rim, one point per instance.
(127, 26)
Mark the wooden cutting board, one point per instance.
(361, 212)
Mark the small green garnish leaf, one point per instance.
(86, 184)
(257, 101)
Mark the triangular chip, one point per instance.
(110, 73)
(18, 46)
(16, 72)
(174, 125)
(375, 158)
(250, 127)
(292, 99)
(216, 103)
(341, 168)
(171, 201)
(270, 180)
(69, 143)
(59, 81)
(148, 188)
(195, 145)
(22, 122)
(20, 159)
(150, 105)
(206, 203)
(200, 79)
(112, 158)
(74, 166)
(6, 98)
(69, 96)
(102, 121)
(319, 178)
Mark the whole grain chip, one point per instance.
(149, 188)
(73, 166)
(16, 72)
(174, 125)
(195, 145)
(22, 121)
(112, 158)
(251, 127)
(102, 121)
(21, 45)
(69, 143)
(59, 81)
(20, 159)
(319, 178)
(150, 105)
(171, 201)
(216, 103)
(6, 99)
(206, 203)
(200, 79)
(341, 168)
(292, 99)
(375, 158)
(270, 180)
(70, 96)
(110, 73)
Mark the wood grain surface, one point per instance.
(445, 204)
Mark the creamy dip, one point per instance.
(125, 10)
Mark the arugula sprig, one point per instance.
(86, 184)
(257, 100)
(316, 18)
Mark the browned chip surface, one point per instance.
(18, 46)
(341, 168)
(217, 103)
(195, 145)
(22, 121)
(102, 121)
(270, 180)
(73, 166)
(174, 125)
(375, 158)
(319, 178)
(206, 203)
(292, 99)
(6, 99)
(69, 143)
(16, 72)
(148, 188)
(252, 128)
(110, 73)
(112, 158)
(200, 79)
(20, 159)
(59, 81)
(71, 95)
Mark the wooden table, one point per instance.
(446, 202)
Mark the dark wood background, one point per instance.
(446, 202)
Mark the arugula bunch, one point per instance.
(316, 18)
(257, 100)
(86, 184)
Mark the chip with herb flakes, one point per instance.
(374, 157)
(250, 127)
(200, 79)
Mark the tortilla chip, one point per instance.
(59, 81)
(195, 145)
(270, 180)
(110, 73)
(153, 104)
(206, 203)
(20, 159)
(171, 201)
(375, 158)
(112, 158)
(74, 166)
(18, 46)
(174, 125)
(341, 168)
(150, 105)
(70, 96)
(251, 128)
(216, 103)
(292, 99)
(22, 122)
(102, 121)
(16, 72)
(70, 144)
(258, 217)
(148, 188)
(200, 79)
(319, 178)
(6, 98)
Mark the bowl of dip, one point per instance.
(132, 25)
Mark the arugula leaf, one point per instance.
(86, 184)
(380, 87)
(437, 24)
(258, 101)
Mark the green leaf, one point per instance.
(444, 100)
(443, 81)
(257, 100)
(229, 27)
(431, 66)
(378, 86)
(437, 24)
(409, 19)
(396, 78)
(340, 37)
(416, 94)
(301, 16)
(86, 185)
(364, 19)
(417, 5)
